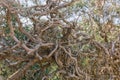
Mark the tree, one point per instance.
(59, 40)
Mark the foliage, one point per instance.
(59, 40)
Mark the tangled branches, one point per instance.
(54, 40)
